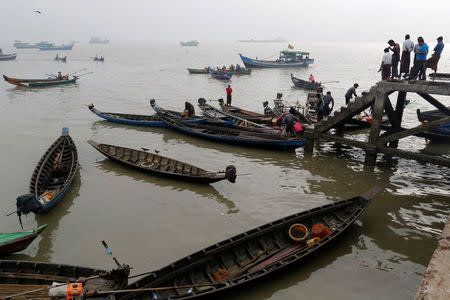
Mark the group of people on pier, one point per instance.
(390, 61)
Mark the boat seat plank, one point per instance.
(33, 276)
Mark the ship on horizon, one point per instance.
(98, 40)
(25, 45)
(192, 43)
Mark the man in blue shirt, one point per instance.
(432, 62)
(421, 59)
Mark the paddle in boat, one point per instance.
(141, 120)
(51, 178)
(287, 59)
(251, 255)
(161, 165)
(304, 84)
(17, 241)
(236, 136)
(220, 75)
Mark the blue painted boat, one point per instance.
(52, 177)
(287, 59)
(62, 47)
(138, 120)
(222, 76)
(8, 56)
(235, 136)
(438, 134)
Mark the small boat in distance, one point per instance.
(26, 82)
(96, 58)
(304, 84)
(161, 165)
(7, 56)
(17, 241)
(60, 58)
(98, 40)
(236, 71)
(287, 59)
(61, 47)
(192, 43)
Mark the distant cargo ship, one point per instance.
(192, 43)
(278, 40)
(60, 47)
(97, 40)
(24, 45)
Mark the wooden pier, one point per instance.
(378, 98)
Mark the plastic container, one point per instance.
(298, 127)
(320, 230)
(298, 233)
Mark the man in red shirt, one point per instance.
(229, 91)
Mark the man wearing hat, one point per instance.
(432, 62)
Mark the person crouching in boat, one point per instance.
(312, 79)
(189, 110)
(60, 77)
(289, 120)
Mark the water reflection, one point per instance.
(204, 190)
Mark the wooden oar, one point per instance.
(109, 252)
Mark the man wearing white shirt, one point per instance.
(407, 47)
(386, 63)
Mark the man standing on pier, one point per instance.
(385, 67)
(421, 58)
(395, 57)
(229, 91)
(350, 92)
(407, 47)
(432, 62)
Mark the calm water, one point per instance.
(151, 221)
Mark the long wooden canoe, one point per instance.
(251, 255)
(49, 83)
(52, 176)
(24, 276)
(242, 71)
(303, 84)
(17, 241)
(140, 120)
(160, 165)
(236, 136)
(20, 81)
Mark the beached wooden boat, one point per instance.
(220, 75)
(52, 176)
(140, 120)
(17, 241)
(24, 276)
(287, 59)
(161, 165)
(245, 114)
(241, 71)
(236, 136)
(304, 84)
(251, 255)
(8, 56)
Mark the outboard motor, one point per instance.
(201, 101)
(230, 172)
(26, 204)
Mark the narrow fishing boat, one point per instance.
(18, 81)
(287, 59)
(101, 59)
(241, 71)
(161, 165)
(8, 56)
(48, 280)
(220, 75)
(304, 84)
(251, 255)
(140, 120)
(50, 83)
(52, 177)
(236, 136)
(245, 114)
(60, 58)
(17, 241)
(180, 116)
(438, 134)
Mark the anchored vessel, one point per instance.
(287, 59)
(192, 43)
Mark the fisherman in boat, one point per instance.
(267, 109)
(189, 110)
(60, 77)
(288, 122)
(312, 79)
(238, 67)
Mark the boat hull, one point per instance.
(8, 56)
(439, 134)
(303, 84)
(205, 71)
(61, 48)
(254, 63)
(50, 83)
(18, 244)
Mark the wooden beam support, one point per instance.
(391, 113)
(435, 102)
(421, 128)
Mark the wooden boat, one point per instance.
(251, 255)
(438, 134)
(235, 136)
(49, 83)
(18, 81)
(140, 120)
(63, 59)
(245, 114)
(52, 176)
(101, 59)
(431, 115)
(179, 116)
(17, 241)
(241, 71)
(287, 59)
(439, 75)
(24, 276)
(304, 84)
(8, 56)
(220, 75)
(161, 165)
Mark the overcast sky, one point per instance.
(223, 20)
